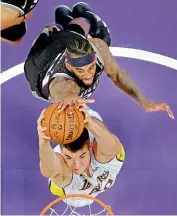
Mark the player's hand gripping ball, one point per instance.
(63, 127)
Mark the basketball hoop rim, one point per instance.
(107, 208)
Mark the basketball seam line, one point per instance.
(78, 122)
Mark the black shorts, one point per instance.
(44, 50)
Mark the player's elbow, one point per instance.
(116, 145)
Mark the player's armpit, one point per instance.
(52, 165)
(63, 175)
(60, 181)
(61, 87)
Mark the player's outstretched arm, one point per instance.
(52, 165)
(116, 74)
(124, 82)
(108, 144)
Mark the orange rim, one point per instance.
(107, 208)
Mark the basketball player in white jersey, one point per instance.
(14, 14)
(88, 165)
(65, 64)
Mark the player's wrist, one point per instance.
(44, 142)
(89, 125)
(63, 96)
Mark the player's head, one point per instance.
(81, 60)
(77, 153)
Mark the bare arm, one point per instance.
(48, 159)
(117, 75)
(108, 145)
(61, 87)
(52, 165)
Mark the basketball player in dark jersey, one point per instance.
(67, 59)
(14, 14)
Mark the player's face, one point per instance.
(86, 73)
(77, 161)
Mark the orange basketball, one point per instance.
(64, 127)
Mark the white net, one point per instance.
(64, 208)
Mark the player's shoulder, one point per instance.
(98, 43)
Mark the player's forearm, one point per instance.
(59, 96)
(48, 159)
(117, 75)
(126, 84)
(104, 138)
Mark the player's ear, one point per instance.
(68, 66)
(95, 57)
(90, 146)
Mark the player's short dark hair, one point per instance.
(78, 47)
(79, 143)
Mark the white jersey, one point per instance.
(103, 176)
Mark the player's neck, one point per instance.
(87, 171)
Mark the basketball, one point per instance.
(64, 127)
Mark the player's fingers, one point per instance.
(75, 102)
(43, 136)
(65, 103)
(71, 102)
(84, 101)
(85, 121)
(42, 114)
(86, 114)
(39, 121)
(88, 101)
(70, 108)
(41, 129)
(83, 105)
(82, 109)
(166, 108)
(170, 113)
(60, 104)
(46, 137)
